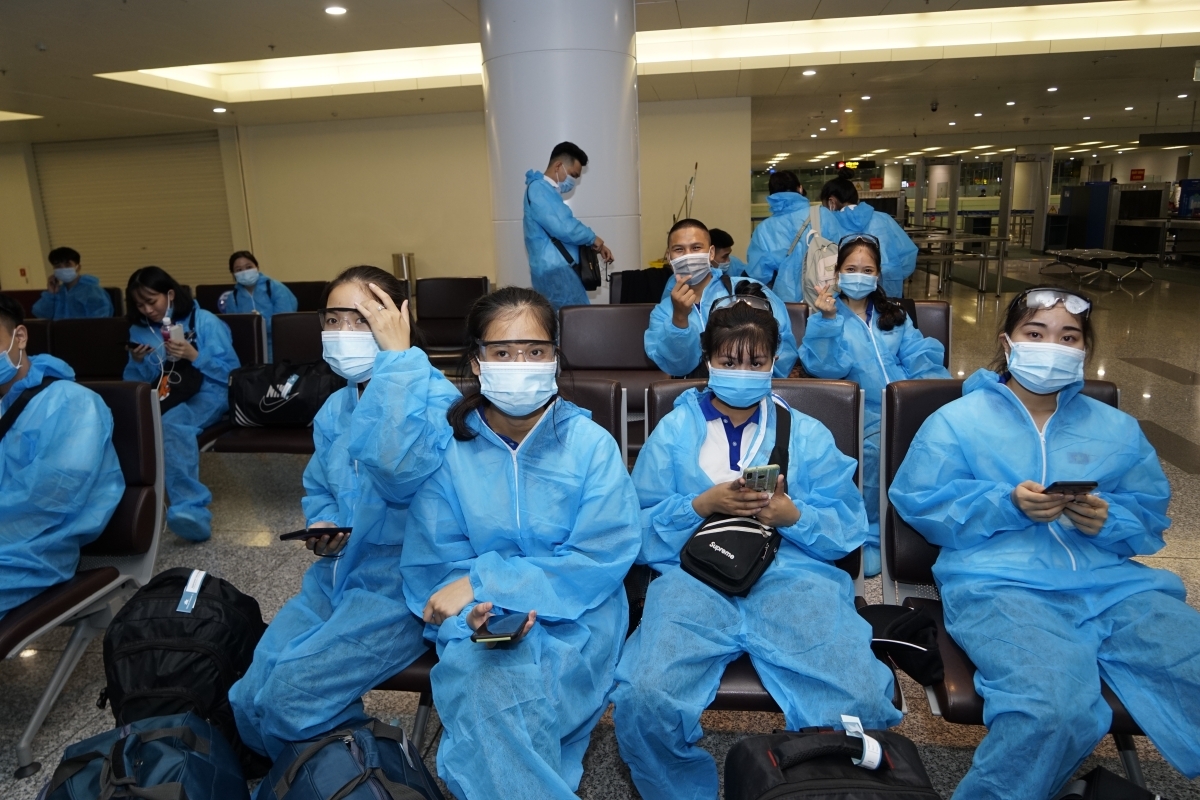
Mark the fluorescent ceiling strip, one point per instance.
(13, 116)
(974, 33)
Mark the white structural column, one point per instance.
(557, 71)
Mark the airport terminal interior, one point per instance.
(1017, 145)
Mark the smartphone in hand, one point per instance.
(761, 479)
(500, 628)
(311, 533)
(1071, 487)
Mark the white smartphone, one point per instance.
(177, 334)
(761, 479)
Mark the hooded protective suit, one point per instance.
(808, 644)
(188, 515)
(267, 297)
(1043, 610)
(846, 347)
(547, 215)
(899, 253)
(349, 629)
(59, 481)
(676, 351)
(551, 526)
(86, 299)
(767, 255)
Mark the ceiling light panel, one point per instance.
(13, 116)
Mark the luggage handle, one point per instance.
(378, 729)
(797, 751)
(397, 791)
(289, 777)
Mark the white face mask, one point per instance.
(692, 267)
(247, 277)
(66, 274)
(1044, 367)
(350, 354)
(518, 389)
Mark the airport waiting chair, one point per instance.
(798, 314)
(26, 297)
(111, 568)
(39, 336)
(94, 348)
(932, 318)
(297, 337)
(249, 332)
(117, 296)
(908, 560)
(442, 305)
(207, 295)
(607, 342)
(308, 294)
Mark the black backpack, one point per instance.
(816, 765)
(160, 661)
(1100, 784)
(280, 395)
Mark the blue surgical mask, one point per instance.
(1043, 367)
(857, 285)
(518, 388)
(566, 185)
(692, 267)
(66, 274)
(350, 354)
(247, 277)
(739, 388)
(8, 370)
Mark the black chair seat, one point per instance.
(414, 677)
(37, 612)
(741, 689)
(265, 440)
(214, 432)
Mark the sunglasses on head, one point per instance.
(854, 238)
(1048, 298)
(760, 303)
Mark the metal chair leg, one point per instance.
(424, 706)
(81, 637)
(1129, 758)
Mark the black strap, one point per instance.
(561, 247)
(10, 417)
(69, 767)
(289, 777)
(805, 748)
(783, 439)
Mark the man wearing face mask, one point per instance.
(673, 339)
(724, 259)
(70, 295)
(551, 229)
(59, 476)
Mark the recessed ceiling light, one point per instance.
(1181, 96)
(978, 113)
(1146, 395)
(808, 73)
(824, 129)
(1064, 147)
(1087, 144)
(218, 110)
(1011, 103)
(981, 147)
(1009, 150)
(866, 97)
(1052, 89)
(812, 136)
(833, 122)
(953, 123)
(1087, 117)
(929, 149)
(990, 154)
(1129, 108)
(336, 11)
(1108, 146)
(782, 155)
(848, 110)
(876, 152)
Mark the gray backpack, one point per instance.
(820, 259)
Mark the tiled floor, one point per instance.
(257, 498)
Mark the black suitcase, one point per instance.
(817, 766)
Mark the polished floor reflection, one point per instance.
(1146, 343)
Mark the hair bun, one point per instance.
(846, 174)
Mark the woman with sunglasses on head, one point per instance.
(798, 621)
(529, 525)
(862, 336)
(1039, 587)
(375, 442)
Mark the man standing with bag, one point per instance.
(553, 237)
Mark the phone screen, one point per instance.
(505, 624)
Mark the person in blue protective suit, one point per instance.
(255, 293)
(775, 246)
(1040, 589)
(548, 219)
(188, 354)
(860, 335)
(798, 623)
(844, 215)
(70, 294)
(376, 441)
(59, 477)
(723, 257)
(531, 519)
(673, 339)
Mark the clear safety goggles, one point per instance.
(761, 303)
(1049, 298)
(342, 319)
(537, 351)
(854, 238)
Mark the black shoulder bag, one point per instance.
(10, 417)
(731, 553)
(587, 268)
(180, 381)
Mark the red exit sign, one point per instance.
(1136, 175)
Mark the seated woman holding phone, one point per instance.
(514, 555)
(376, 441)
(1039, 497)
(187, 354)
(798, 621)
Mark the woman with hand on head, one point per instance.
(376, 441)
(188, 354)
(1040, 589)
(862, 336)
(798, 622)
(531, 519)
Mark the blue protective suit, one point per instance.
(86, 299)
(59, 481)
(547, 215)
(898, 251)
(349, 629)
(1043, 610)
(267, 297)
(799, 625)
(736, 267)
(188, 513)
(676, 351)
(844, 347)
(768, 251)
(553, 527)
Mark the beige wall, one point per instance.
(21, 245)
(674, 136)
(324, 196)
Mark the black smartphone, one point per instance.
(499, 628)
(131, 345)
(311, 533)
(1071, 487)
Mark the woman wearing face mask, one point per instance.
(1040, 589)
(188, 354)
(843, 215)
(376, 441)
(798, 623)
(532, 515)
(862, 336)
(255, 293)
